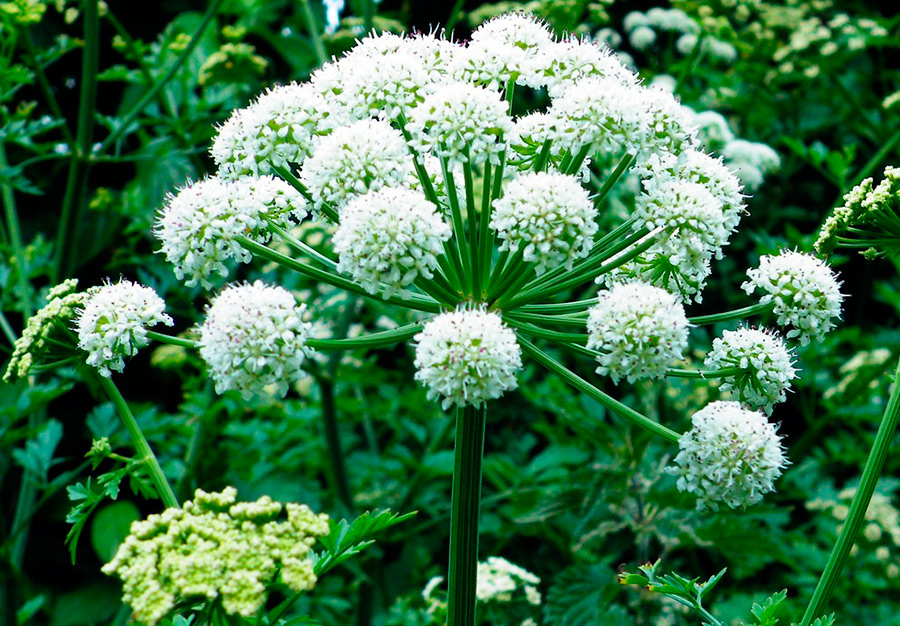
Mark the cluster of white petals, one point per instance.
(639, 330)
(730, 455)
(254, 336)
(498, 580)
(390, 237)
(572, 59)
(766, 364)
(467, 357)
(278, 128)
(364, 156)
(803, 289)
(550, 215)
(114, 321)
(199, 224)
(215, 548)
(461, 122)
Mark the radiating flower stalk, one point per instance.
(449, 197)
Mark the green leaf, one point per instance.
(581, 595)
(37, 456)
(346, 539)
(110, 527)
(765, 612)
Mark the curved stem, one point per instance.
(727, 316)
(858, 508)
(582, 385)
(172, 341)
(375, 340)
(289, 177)
(725, 372)
(144, 452)
(298, 245)
(465, 509)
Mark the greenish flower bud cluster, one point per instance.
(215, 547)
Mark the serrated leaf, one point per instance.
(346, 539)
(765, 612)
(36, 458)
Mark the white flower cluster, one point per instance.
(803, 289)
(198, 226)
(550, 215)
(254, 336)
(498, 580)
(364, 156)
(730, 455)
(114, 321)
(642, 29)
(638, 330)
(467, 357)
(766, 364)
(751, 161)
(216, 548)
(277, 129)
(390, 237)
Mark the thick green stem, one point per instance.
(172, 341)
(141, 446)
(459, 229)
(340, 483)
(858, 508)
(375, 340)
(465, 509)
(582, 385)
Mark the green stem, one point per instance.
(47, 91)
(340, 482)
(725, 372)
(315, 35)
(144, 453)
(285, 172)
(136, 110)
(453, 18)
(73, 197)
(543, 333)
(613, 178)
(298, 245)
(560, 308)
(727, 316)
(411, 301)
(172, 341)
(465, 509)
(858, 508)
(485, 234)
(577, 320)
(7, 329)
(459, 229)
(15, 236)
(474, 228)
(582, 385)
(375, 340)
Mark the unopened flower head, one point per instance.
(254, 336)
(391, 236)
(199, 225)
(63, 305)
(638, 330)
(498, 580)
(549, 215)
(765, 362)
(467, 357)
(730, 455)
(365, 156)
(114, 321)
(215, 548)
(804, 291)
(277, 129)
(461, 122)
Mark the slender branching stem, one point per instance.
(728, 316)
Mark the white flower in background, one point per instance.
(498, 579)
(254, 336)
(730, 455)
(751, 161)
(803, 289)
(642, 37)
(467, 357)
(766, 364)
(198, 225)
(278, 128)
(364, 156)
(638, 329)
(114, 321)
(550, 215)
(391, 236)
(713, 130)
(461, 122)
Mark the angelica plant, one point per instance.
(449, 200)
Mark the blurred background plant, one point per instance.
(104, 109)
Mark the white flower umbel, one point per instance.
(278, 128)
(467, 357)
(254, 336)
(365, 156)
(572, 59)
(803, 289)
(461, 122)
(730, 455)
(114, 321)
(638, 329)
(198, 226)
(390, 236)
(550, 214)
(766, 364)
(498, 579)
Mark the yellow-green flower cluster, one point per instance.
(63, 302)
(216, 547)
